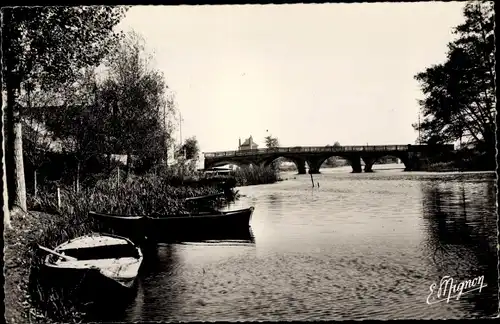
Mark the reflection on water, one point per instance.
(461, 236)
(362, 246)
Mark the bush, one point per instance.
(255, 175)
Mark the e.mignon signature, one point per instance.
(448, 289)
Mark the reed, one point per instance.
(255, 175)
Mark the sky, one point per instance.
(308, 74)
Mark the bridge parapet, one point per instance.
(327, 149)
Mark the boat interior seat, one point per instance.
(101, 263)
(103, 252)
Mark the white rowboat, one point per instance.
(114, 257)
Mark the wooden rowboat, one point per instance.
(200, 224)
(112, 258)
(215, 223)
(132, 227)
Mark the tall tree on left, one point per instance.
(45, 47)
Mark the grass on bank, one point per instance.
(49, 225)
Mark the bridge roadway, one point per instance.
(411, 155)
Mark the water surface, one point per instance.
(361, 246)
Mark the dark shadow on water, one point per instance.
(275, 201)
(158, 279)
(242, 233)
(460, 220)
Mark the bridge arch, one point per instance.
(370, 160)
(354, 160)
(214, 164)
(300, 164)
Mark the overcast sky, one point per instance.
(309, 74)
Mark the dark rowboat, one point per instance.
(101, 265)
(175, 227)
(132, 227)
(204, 225)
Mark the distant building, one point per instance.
(248, 144)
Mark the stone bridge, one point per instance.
(314, 156)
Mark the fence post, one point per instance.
(58, 197)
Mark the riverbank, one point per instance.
(50, 224)
(18, 242)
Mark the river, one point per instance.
(361, 246)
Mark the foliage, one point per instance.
(254, 175)
(190, 149)
(333, 160)
(459, 98)
(44, 48)
(271, 142)
(47, 45)
(125, 113)
(134, 95)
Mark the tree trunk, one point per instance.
(35, 184)
(5, 196)
(16, 185)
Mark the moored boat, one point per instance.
(106, 259)
(132, 227)
(206, 224)
(165, 228)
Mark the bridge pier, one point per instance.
(355, 162)
(369, 161)
(411, 162)
(314, 164)
(301, 167)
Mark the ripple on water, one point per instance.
(360, 247)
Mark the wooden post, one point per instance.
(36, 191)
(78, 177)
(58, 197)
(312, 180)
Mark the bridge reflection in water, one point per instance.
(411, 155)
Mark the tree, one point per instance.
(79, 123)
(46, 46)
(190, 149)
(139, 110)
(5, 197)
(271, 142)
(459, 98)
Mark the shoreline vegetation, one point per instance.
(49, 224)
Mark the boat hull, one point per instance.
(200, 227)
(88, 285)
(132, 227)
(105, 266)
